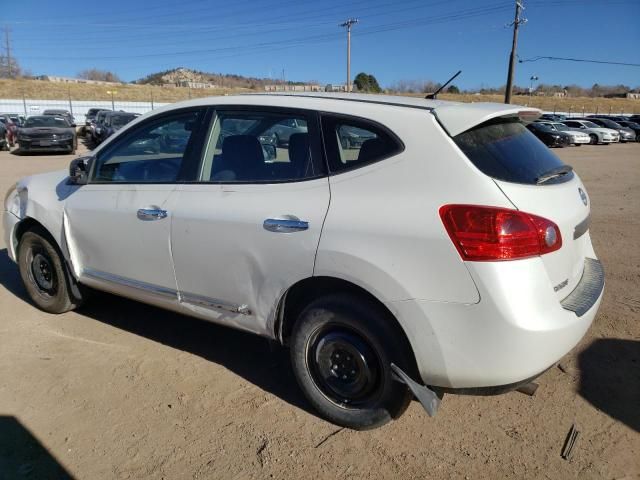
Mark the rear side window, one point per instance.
(506, 150)
(352, 142)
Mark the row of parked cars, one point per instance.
(56, 129)
(100, 123)
(559, 131)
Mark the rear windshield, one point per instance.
(505, 150)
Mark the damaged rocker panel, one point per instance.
(166, 293)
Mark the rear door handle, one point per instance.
(281, 225)
(151, 213)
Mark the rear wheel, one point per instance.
(44, 273)
(342, 347)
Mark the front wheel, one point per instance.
(342, 347)
(44, 273)
(593, 139)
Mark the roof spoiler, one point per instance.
(460, 117)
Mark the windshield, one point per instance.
(505, 150)
(561, 126)
(121, 120)
(590, 125)
(48, 121)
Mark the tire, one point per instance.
(276, 140)
(578, 144)
(44, 273)
(369, 342)
(594, 139)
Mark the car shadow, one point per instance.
(10, 276)
(610, 378)
(254, 358)
(23, 456)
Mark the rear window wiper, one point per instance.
(554, 173)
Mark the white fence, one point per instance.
(79, 108)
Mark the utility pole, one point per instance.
(7, 46)
(512, 58)
(348, 24)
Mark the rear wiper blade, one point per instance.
(554, 173)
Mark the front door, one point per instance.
(250, 227)
(118, 226)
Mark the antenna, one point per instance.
(434, 95)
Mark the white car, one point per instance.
(449, 251)
(578, 137)
(597, 133)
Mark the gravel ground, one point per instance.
(122, 390)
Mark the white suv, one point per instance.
(396, 245)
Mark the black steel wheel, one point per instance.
(45, 275)
(344, 367)
(342, 347)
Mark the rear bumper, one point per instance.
(517, 330)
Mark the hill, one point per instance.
(43, 90)
(182, 76)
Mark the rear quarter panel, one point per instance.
(383, 230)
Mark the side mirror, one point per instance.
(74, 125)
(79, 170)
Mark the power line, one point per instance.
(320, 38)
(606, 62)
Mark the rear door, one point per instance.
(517, 161)
(249, 228)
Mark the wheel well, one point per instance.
(302, 293)
(29, 224)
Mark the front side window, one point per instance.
(152, 153)
(351, 142)
(261, 147)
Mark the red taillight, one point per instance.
(493, 233)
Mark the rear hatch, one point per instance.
(535, 181)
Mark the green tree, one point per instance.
(453, 89)
(367, 83)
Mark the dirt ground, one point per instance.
(122, 390)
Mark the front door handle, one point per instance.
(151, 213)
(281, 225)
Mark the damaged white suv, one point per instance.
(398, 246)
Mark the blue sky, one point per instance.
(395, 40)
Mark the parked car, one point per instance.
(578, 137)
(114, 121)
(626, 134)
(281, 132)
(4, 143)
(61, 113)
(96, 131)
(553, 117)
(450, 252)
(10, 127)
(634, 118)
(595, 132)
(550, 136)
(631, 125)
(47, 133)
(17, 119)
(89, 120)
